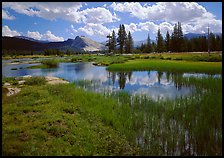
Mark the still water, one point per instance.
(156, 84)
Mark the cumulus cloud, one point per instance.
(98, 15)
(6, 31)
(34, 35)
(95, 29)
(132, 27)
(51, 37)
(5, 15)
(60, 10)
(190, 14)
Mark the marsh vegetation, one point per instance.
(70, 119)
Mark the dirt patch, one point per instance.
(23, 136)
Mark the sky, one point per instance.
(59, 21)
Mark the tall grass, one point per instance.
(168, 65)
(73, 122)
(35, 80)
(189, 125)
(50, 63)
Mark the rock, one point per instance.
(12, 91)
(21, 82)
(54, 80)
(27, 76)
(6, 84)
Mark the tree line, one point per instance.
(174, 42)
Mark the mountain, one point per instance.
(80, 43)
(194, 35)
(31, 39)
(87, 44)
(139, 43)
(188, 36)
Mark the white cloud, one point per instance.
(47, 36)
(5, 15)
(132, 27)
(191, 14)
(60, 10)
(95, 29)
(35, 35)
(51, 37)
(148, 26)
(73, 29)
(98, 15)
(6, 31)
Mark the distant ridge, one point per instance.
(80, 43)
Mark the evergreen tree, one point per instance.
(122, 36)
(142, 47)
(212, 42)
(129, 43)
(154, 47)
(148, 45)
(113, 42)
(160, 46)
(109, 43)
(167, 42)
(174, 39)
(180, 37)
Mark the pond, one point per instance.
(156, 84)
(188, 125)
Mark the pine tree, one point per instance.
(122, 36)
(148, 45)
(180, 37)
(119, 39)
(160, 46)
(113, 42)
(109, 43)
(129, 43)
(167, 42)
(174, 39)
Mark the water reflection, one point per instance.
(156, 84)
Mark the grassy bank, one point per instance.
(52, 120)
(168, 65)
(50, 63)
(66, 120)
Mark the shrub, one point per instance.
(14, 69)
(11, 80)
(37, 80)
(50, 63)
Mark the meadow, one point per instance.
(65, 119)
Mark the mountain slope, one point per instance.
(25, 43)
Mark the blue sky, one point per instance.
(59, 21)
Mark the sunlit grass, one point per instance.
(66, 120)
(168, 65)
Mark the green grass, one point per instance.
(35, 80)
(51, 120)
(100, 60)
(49, 63)
(168, 65)
(10, 80)
(14, 69)
(65, 120)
